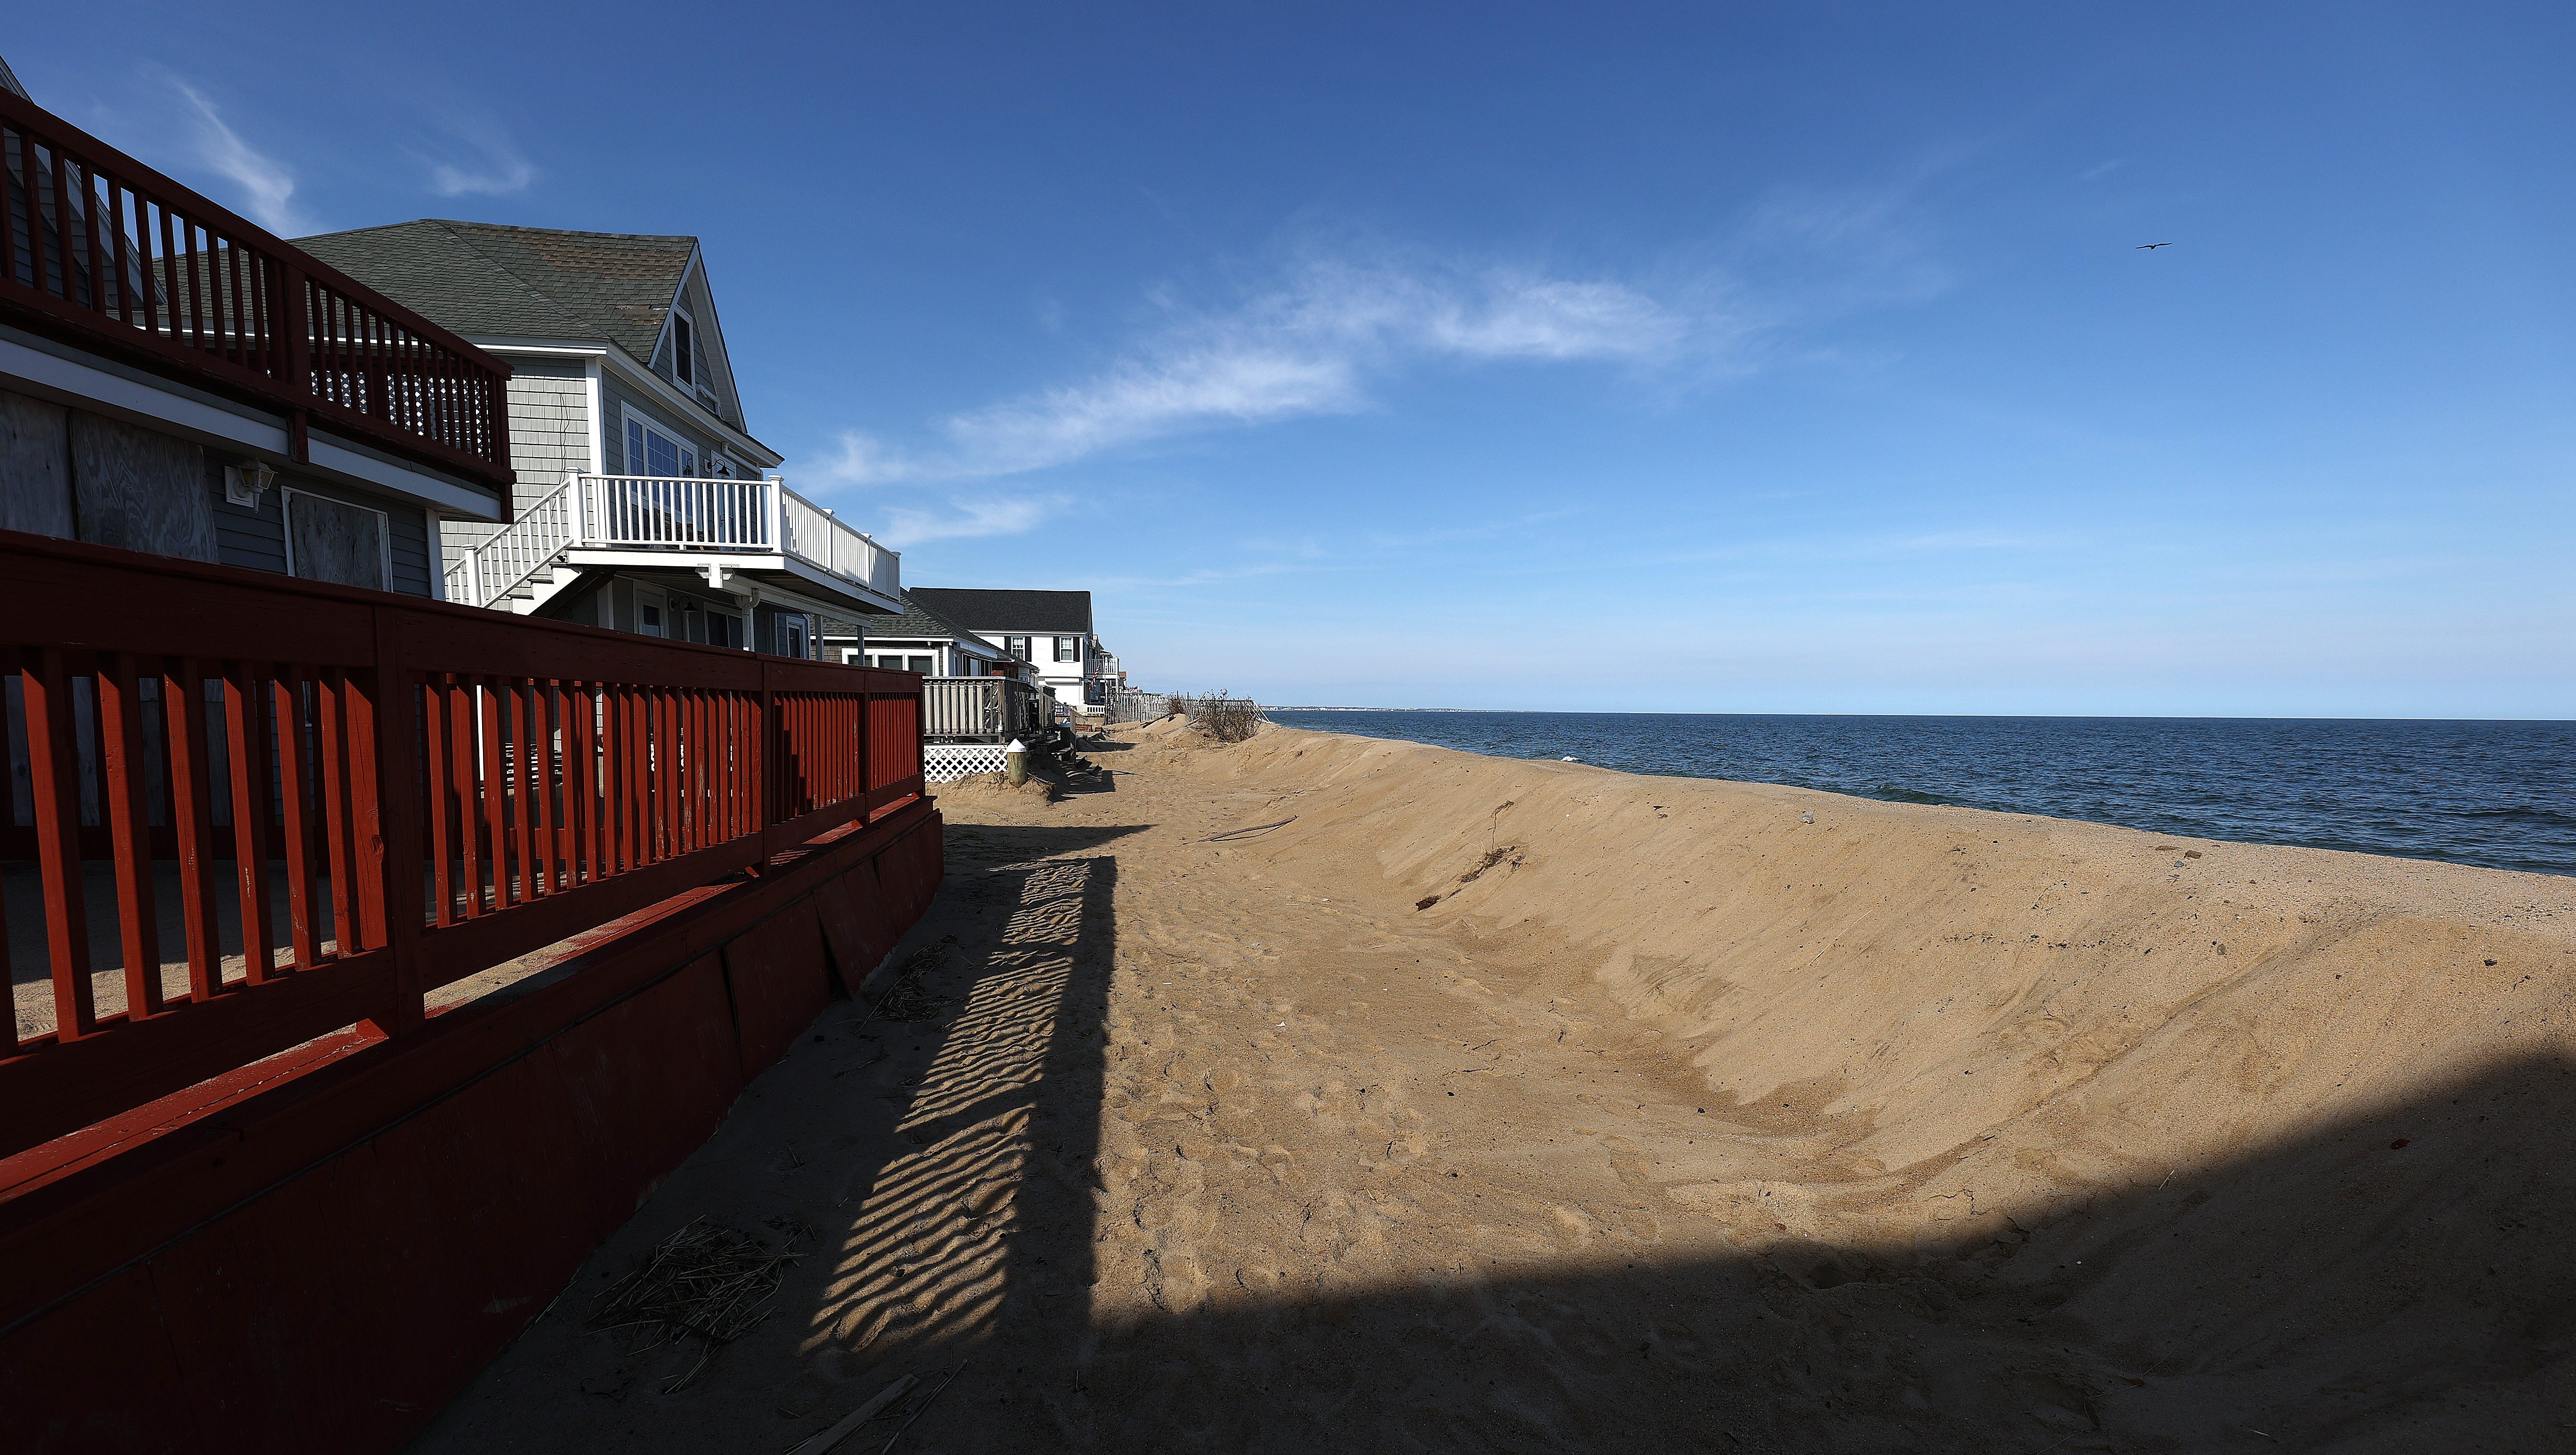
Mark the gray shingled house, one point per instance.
(643, 501)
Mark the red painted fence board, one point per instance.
(322, 1263)
(443, 768)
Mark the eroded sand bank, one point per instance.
(1688, 1115)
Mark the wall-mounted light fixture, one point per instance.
(245, 483)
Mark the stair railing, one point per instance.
(503, 563)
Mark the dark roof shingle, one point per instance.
(1009, 611)
(481, 278)
(919, 619)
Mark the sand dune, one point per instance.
(1500, 1105)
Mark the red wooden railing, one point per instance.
(440, 790)
(112, 252)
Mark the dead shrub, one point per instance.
(1221, 716)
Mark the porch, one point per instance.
(967, 722)
(758, 530)
(127, 266)
(279, 1064)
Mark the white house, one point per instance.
(919, 640)
(643, 502)
(1050, 630)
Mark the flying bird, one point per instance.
(2142, 247)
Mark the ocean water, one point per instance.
(2497, 794)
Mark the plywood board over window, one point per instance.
(144, 491)
(332, 540)
(35, 467)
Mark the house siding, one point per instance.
(549, 438)
(549, 426)
(613, 399)
(718, 371)
(73, 474)
(257, 538)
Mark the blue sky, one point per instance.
(1696, 358)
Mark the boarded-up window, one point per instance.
(35, 467)
(332, 540)
(144, 491)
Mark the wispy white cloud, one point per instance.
(1308, 344)
(970, 517)
(1324, 328)
(267, 184)
(862, 460)
(485, 163)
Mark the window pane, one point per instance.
(661, 456)
(634, 448)
(683, 362)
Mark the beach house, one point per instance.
(1050, 630)
(358, 938)
(643, 502)
(920, 639)
(177, 380)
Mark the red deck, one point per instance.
(291, 1171)
(110, 254)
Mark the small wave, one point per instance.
(1894, 794)
(2523, 813)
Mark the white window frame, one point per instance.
(287, 495)
(684, 347)
(631, 420)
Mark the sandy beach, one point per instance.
(1329, 1093)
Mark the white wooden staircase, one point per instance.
(715, 527)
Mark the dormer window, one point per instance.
(684, 348)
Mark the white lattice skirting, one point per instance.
(948, 762)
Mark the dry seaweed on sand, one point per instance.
(905, 1000)
(703, 1280)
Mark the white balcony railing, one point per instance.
(708, 519)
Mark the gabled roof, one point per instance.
(9, 82)
(481, 278)
(919, 620)
(1068, 612)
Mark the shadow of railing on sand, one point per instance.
(983, 1213)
